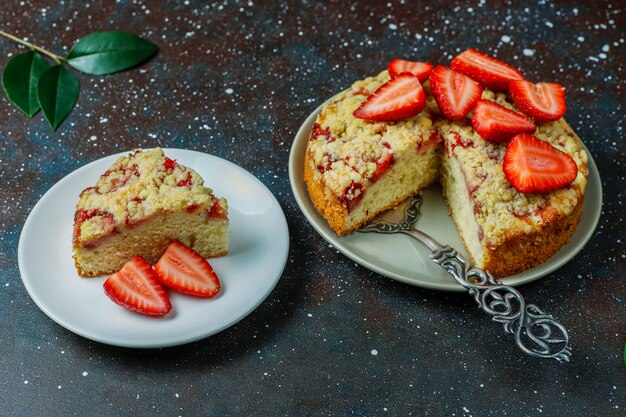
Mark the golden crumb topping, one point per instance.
(138, 186)
(350, 152)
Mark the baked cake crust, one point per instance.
(505, 231)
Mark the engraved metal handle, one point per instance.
(536, 333)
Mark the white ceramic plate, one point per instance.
(405, 259)
(259, 244)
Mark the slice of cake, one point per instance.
(355, 169)
(138, 207)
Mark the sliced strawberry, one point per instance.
(421, 70)
(497, 123)
(455, 93)
(397, 99)
(544, 102)
(184, 270)
(137, 288)
(532, 165)
(488, 71)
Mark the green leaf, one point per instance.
(19, 80)
(57, 91)
(108, 52)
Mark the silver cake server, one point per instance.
(536, 333)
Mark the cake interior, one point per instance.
(412, 172)
(461, 208)
(150, 238)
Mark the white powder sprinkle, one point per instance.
(606, 48)
(505, 38)
(465, 409)
(580, 39)
(528, 52)
(393, 26)
(549, 24)
(309, 315)
(85, 373)
(92, 138)
(374, 352)
(229, 91)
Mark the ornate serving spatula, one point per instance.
(536, 333)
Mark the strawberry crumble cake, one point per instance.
(140, 205)
(513, 172)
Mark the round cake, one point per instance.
(356, 168)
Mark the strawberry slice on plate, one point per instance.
(455, 93)
(421, 70)
(496, 123)
(532, 165)
(490, 72)
(398, 98)
(137, 288)
(544, 102)
(184, 270)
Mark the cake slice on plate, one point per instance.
(140, 205)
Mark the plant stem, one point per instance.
(59, 59)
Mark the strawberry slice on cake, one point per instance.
(140, 205)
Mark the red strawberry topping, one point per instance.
(82, 216)
(488, 71)
(398, 98)
(455, 93)
(421, 70)
(169, 164)
(217, 211)
(318, 131)
(383, 165)
(136, 288)
(497, 123)
(185, 182)
(545, 102)
(184, 270)
(532, 165)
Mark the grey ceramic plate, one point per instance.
(406, 260)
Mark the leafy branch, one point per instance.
(31, 84)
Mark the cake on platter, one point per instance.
(512, 171)
(140, 205)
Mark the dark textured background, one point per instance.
(236, 79)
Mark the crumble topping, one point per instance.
(138, 186)
(349, 153)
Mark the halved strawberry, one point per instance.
(455, 93)
(421, 70)
(137, 288)
(184, 270)
(497, 123)
(544, 102)
(397, 99)
(532, 165)
(488, 71)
